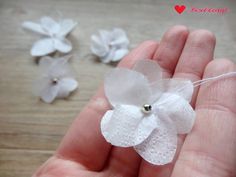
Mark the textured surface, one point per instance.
(127, 126)
(31, 130)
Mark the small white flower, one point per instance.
(148, 111)
(110, 46)
(55, 35)
(56, 80)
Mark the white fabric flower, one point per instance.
(55, 35)
(110, 46)
(56, 80)
(148, 111)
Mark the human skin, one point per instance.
(209, 150)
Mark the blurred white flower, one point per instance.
(110, 46)
(56, 80)
(55, 33)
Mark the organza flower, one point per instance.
(148, 111)
(54, 33)
(56, 80)
(110, 46)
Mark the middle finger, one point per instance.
(197, 53)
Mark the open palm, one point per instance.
(208, 150)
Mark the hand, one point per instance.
(210, 148)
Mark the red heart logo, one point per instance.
(180, 8)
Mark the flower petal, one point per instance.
(106, 36)
(60, 68)
(63, 45)
(43, 47)
(119, 38)
(67, 25)
(49, 93)
(50, 25)
(153, 72)
(150, 69)
(124, 86)
(178, 110)
(160, 147)
(109, 56)
(179, 86)
(56, 67)
(34, 27)
(40, 84)
(66, 85)
(119, 54)
(45, 62)
(98, 47)
(127, 126)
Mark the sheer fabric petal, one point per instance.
(66, 86)
(43, 47)
(126, 126)
(124, 86)
(160, 147)
(119, 54)
(60, 69)
(63, 45)
(67, 25)
(106, 36)
(45, 62)
(179, 111)
(150, 69)
(40, 84)
(34, 27)
(50, 25)
(120, 38)
(109, 56)
(98, 47)
(181, 87)
(49, 93)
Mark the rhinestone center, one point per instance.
(147, 108)
(55, 81)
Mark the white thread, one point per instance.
(203, 81)
(200, 82)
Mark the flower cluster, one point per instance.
(55, 80)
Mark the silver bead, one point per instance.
(55, 81)
(147, 108)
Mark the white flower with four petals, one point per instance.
(148, 111)
(55, 35)
(56, 80)
(110, 46)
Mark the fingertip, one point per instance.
(219, 66)
(202, 37)
(170, 48)
(219, 93)
(176, 30)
